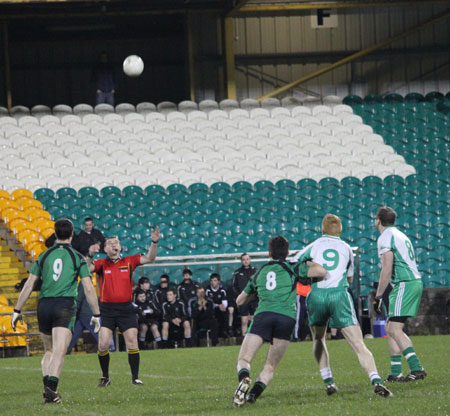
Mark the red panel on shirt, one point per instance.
(116, 278)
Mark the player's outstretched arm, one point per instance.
(151, 255)
(244, 298)
(23, 297)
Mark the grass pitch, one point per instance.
(201, 381)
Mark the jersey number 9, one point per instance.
(57, 269)
(331, 257)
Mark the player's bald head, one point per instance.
(332, 225)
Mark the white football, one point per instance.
(133, 66)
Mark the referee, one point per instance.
(115, 276)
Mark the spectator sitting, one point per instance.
(175, 320)
(90, 236)
(144, 286)
(160, 295)
(104, 81)
(187, 290)
(203, 316)
(218, 295)
(148, 316)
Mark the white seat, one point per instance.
(405, 170)
(253, 176)
(8, 120)
(40, 110)
(329, 119)
(175, 115)
(152, 117)
(280, 113)
(90, 118)
(278, 133)
(291, 102)
(147, 159)
(121, 181)
(208, 105)
(23, 121)
(75, 129)
(187, 106)
(70, 119)
(360, 172)
(259, 113)
(165, 107)
(55, 182)
(197, 117)
(108, 118)
(62, 139)
(4, 112)
(350, 118)
(45, 171)
(18, 111)
(318, 173)
(320, 130)
(267, 123)
(125, 108)
(341, 130)
(362, 129)
(310, 121)
(393, 159)
(60, 110)
(300, 111)
(297, 131)
(48, 120)
(270, 103)
(60, 163)
(81, 109)
(33, 129)
(233, 132)
(228, 104)
(78, 182)
(134, 170)
(217, 115)
(332, 100)
(321, 109)
(249, 103)
(342, 108)
(238, 114)
(326, 140)
(116, 128)
(145, 108)
(248, 122)
(103, 108)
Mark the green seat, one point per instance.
(198, 188)
(66, 192)
(241, 186)
(108, 221)
(285, 184)
(58, 212)
(373, 98)
(434, 96)
(132, 190)
(220, 186)
(88, 192)
(352, 100)
(80, 213)
(307, 184)
(414, 97)
(263, 185)
(100, 211)
(176, 188)
(393, 98)
(152, 190)
(43, 193)
(110, 190)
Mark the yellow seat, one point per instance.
(4, 194)
(9, 214)
(34, 213)
(3, 300)
(21, 192)
(26, 202)
(43, 223)
(5, 328)
(27, 235)
(8, 203)
(47, 232)
(36, 248)
(19, 224)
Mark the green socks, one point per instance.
(411, 358)
(396, 365)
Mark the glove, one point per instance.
(95, 320)
(16, 316)
(377, 305)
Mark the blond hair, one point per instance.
(332, 225)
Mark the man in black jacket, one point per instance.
(203, 316)
(240, 279)
(218, 295)
(90, 236)
(187, 290)
(160, 295)
(175, 321)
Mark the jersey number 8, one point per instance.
(271, 281)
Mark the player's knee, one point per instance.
(187, 325)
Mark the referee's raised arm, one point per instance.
(151, 255)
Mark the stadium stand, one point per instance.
(223, 177)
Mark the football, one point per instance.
(133, 66)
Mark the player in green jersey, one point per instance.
(58, 268)
(398, 265)
(274, 319)
(329, 302)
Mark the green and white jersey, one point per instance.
(336, 257)
(59, 268)
(275, 285)
(404, 267)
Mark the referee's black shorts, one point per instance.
(119, 315)
(56, 312)
(270, 325)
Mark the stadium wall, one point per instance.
(273, 50)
